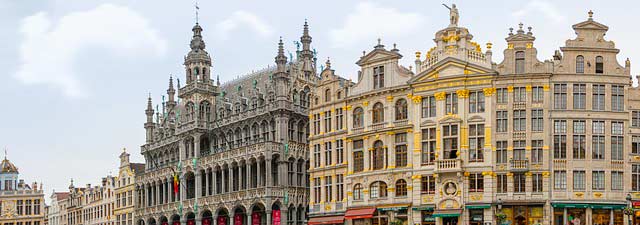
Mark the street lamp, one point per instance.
(500, 216)
(500, 204)
(629, 211)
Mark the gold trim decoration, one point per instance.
(546, 174)
(390, 133)
(344, 107)
(510, 46)
(489, 91)
(466, 174)
(545, 87)
(416, 99)
(418, 53)
(389, 98)
(489, 45)
(464, 93)
(579, 194)
(349, 107)
(440, 95)
(509, 88)
(597, 195)
(529, 88)
(321, 113)
(409, 95)
(530, 45)
(509, 174)
(365, 103)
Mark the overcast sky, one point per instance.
(76, 73)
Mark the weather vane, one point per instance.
(197, 9)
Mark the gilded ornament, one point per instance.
(529, 45)
(489, 91)
(464, 93)
(417, 99)
(440, 95)
(365, 103)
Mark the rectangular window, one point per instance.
(339, 186)
(519, 149)
(476, 142)
(316, 155)
(635, 177)
(617, 180)
(597, 127)
(317, 189)
(635, 144)
(579, 180)
(339, 119)
(451, 103)
(597, 146)
(519, 183)
(560, 139)
(327, 121)
(579, 139)
(428, 107)
(450, 138)
(560, 180)
(538, 94)
(537, 154)
(502, 95)
(617, 140)
(519, 120)
(617, 98)
(560, 96)
(635, 118)
(358, 156)
(501, 152)
(428, 145)
(401, 150)
(476, 182)
(598, 180)
(579, 96)
(328, 189)
(519, 62)
(519, 94)
(501, 121)
(476, 102)
(537, 182)
(537, 120)
(378, 77)
(598, 97)
(339, 151)
(501, 180)
(328, 154)
(19, 207)
(428, 184)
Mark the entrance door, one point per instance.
(520, 220)
(450, 221)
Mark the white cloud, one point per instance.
(49, 47)
(243, 18)
(370, 21)
(536, 6)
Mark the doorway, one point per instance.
(450, 221)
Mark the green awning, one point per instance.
(570, 205)
(587, 205)
(606, 206)
(446, 215)
(485, 206)
(424, 208)
(392, 208)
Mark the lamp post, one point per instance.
(629, 211)
(499, 214)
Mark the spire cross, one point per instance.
(197, 9)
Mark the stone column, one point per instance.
(168, 190)
(247, 174)
(259, 180)
(181, 150)
(214, 175)
(157, 193)
(267, 164)
(283, 217)
(283, 172)
(198, 183)
(196, 145)
(249, 219)
(206, 183)
(231, 178)
(269, 219)
(183, 188)
(223, 188)
(198, 220)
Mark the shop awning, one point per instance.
(447, 213)
(588, 205)
(424, 208)
(570, 205)
(606, 206)
(394, 207)
(361, 213)
(484, 206)
(326, 220)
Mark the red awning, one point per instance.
(362, 213)
(326, 220)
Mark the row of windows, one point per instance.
(124, 199)
(328, 188)
(328, 124)
(598, 94)
(598, 180)
(580, 64)
(328, 153)
(579, 139)
(377, 114)
(520, 95)
(519, 119)
(24, 207)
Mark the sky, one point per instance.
(76, 73)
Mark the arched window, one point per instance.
(599, 65)
(204, 73)
(190, 111)
(358, 117)
(339, 95)
(401, 188)
(580, 64)
(378, 155)
(357, 192)
(378, 113)
(205, 111)
(520, 62)
(401, 109)
(327, 95)
(378, 189)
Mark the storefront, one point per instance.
(524, 214)
(476, 213)
(636, 214)
(361, 216)
(448, 216)
(395, 212)
(579, 213)
(325, 220)
(426, 215)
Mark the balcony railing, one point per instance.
(400, 122)
(519, 165)
(377, 126)
(448, 165)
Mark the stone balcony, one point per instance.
(517, 165)
(448, 165)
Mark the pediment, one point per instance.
(475, 119)
(449, 67)
(590, 24)
(428, 123)
(378, 55)
(450, 118)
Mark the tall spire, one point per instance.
(196, 41)
(281, 59)
(149, 111)
(306, 41)
(171, 92)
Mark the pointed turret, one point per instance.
(171, 92)
(281, 59)
(281, 77)
(307, 55)
(197, 62)
(148, 126)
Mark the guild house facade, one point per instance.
(460, 139)
(231, 153)
(20, 203)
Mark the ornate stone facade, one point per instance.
(124, 203)
(234, 152)
(460, 139)
(20, 203)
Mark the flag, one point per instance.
(176, 183)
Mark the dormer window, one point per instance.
(327, 95)
(580, 64)
(378, 77)
(599, 65)
(520, 62)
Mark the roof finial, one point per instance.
(5, 148)
(379, 40)
(590, 15)
(197, 9)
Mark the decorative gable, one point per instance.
(378, 55)
(449, 67)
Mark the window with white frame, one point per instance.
(598, 96)
(476, 142)
(560, 180)
(598, 180)
(537, 120)
(579, 180)
(560, 96)
(428, 146)
(476, 102)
